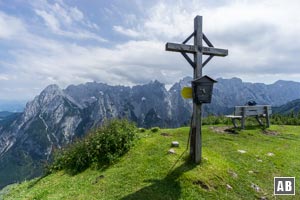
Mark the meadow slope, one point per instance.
(239, 165)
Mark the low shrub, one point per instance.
(214, 120)
(142, 130)
(285, 119)
(100, 147)
(154, 129)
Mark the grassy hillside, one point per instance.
(237, 165)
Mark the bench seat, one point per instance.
(241, 112)
(234, 116)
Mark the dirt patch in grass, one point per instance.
(224, 129)
(269, 132)
(165, 134)
(98, 179)
(201, 184)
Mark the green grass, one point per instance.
(148, 171)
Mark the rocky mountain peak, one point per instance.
(185, 82)
(46, 96)
(155, 83)
(49, 93)
(231, 81)
(186, 79)
(51, 88)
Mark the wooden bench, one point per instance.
(257, 111)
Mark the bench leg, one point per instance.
(259, 121)
(243, 117)
(268, 121)
(243, 122)
(267, 117)
(233, 121)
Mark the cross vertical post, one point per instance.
(196, 137)
(197, 50)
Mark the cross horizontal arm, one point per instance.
(180, 47)
(214, 51)
(191, 49)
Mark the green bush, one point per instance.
(142, 130)
(100, 147)
(285, 119)
(214, 120)
(154, 129)
(278, 119)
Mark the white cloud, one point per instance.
(130, 63)
(49, 19)
(127, 32)
(260, 35)
(66, 21)
(66, 14)
(4, 77)
(10, 26)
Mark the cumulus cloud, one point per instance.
(258, 34)
(261, 37)
(10, 26)
(127, 32)
(66, 21)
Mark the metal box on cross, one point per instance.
(202, 89)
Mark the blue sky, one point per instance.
(67, 42)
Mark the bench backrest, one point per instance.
(252, 110)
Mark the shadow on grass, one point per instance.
(232, 130)
(67, 172)
(167, 188)
(255, 127)
(36, 181)
(237, 130)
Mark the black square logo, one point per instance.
(284, 185)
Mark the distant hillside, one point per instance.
(234, 166)
(288, 108)
(12, 105)
(7, 118)
(4, 114)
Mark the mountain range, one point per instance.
(292, 107)
(57, 116)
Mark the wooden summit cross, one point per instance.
(197, 50)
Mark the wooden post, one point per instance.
(197, 137)
(197, 50)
